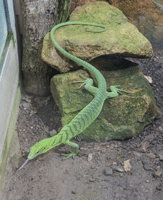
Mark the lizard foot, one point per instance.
(67, 155)
(78, 138)
(88, 81)
(118, 90)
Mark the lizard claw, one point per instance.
(121, 91)
(67, 155)
(83, 77)
(115, 87)
(83, 82)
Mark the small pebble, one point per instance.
(137, 154)
(127, 166)
(90, 157)
(53, 132)
(146, 165)
(159, 187)
(25, 105)
(118, 169)
(92, 180)
(151, 155)
(161, 157)
(149, 79)
(145, 146)
(108, 172)
(157, 173)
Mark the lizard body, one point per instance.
(86, 116)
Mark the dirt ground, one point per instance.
(114, 170)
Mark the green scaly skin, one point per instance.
(86, 116)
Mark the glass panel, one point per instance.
(3, 27)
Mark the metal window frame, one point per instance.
(9, 34)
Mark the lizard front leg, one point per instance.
(88, 86)
(73, 154)
(94, 90)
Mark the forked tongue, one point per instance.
(23, 164)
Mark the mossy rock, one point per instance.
(122, 117)
(120, 37)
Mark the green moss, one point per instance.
(120, 35)
(101, 12)
(13, 39)
(93, 194)
(119, 157)
(63, 10)
(125, 37)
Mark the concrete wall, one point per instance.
(9, 86)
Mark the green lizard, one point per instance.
(86, 116)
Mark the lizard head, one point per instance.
(39, 148)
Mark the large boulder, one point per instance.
(120, 37)
(121, 117)
(147, 16)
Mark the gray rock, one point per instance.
(159, 187)
(108, 172)
(120, 37)
(118, 169)
(122, 117)
(161, 157)
(146, 165)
